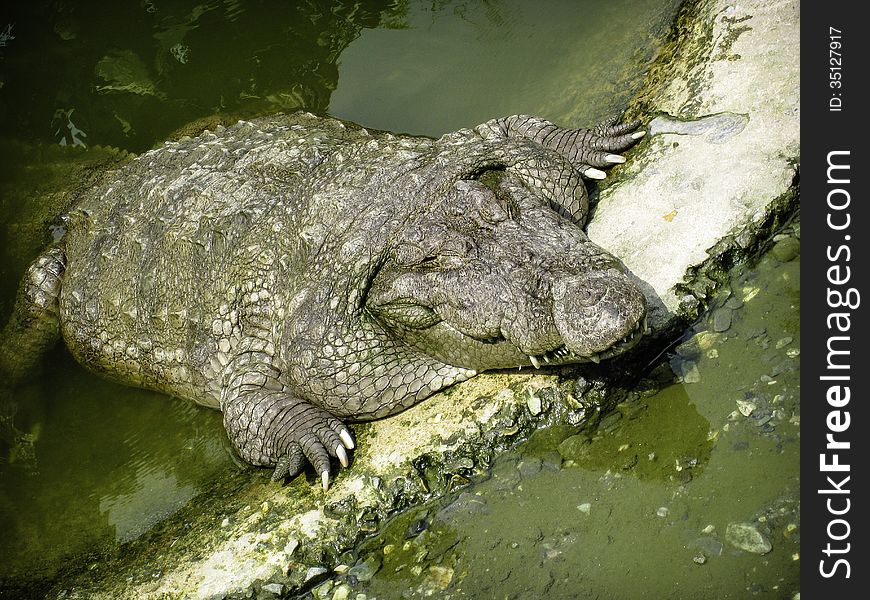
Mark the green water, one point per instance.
(103, 463)
(642, 506)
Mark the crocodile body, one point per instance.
(296, 271)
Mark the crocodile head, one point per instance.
(493, 277)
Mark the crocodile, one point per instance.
(298, 271)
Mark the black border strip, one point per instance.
(834, 263)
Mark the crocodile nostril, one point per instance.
(577, 292)
(586, 296)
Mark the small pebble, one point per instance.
(321, 592)
(746, 537)
(662, 511)
(273, 588)
(721, 319)
(342, 592)
(783, 342)
(440, 576)
(746, 407)
(786, 249)
(691, 374)
(364, 570)
(733, 303)
(313, 572)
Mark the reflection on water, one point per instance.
(85, 464)
(457, 64)
(110, 462)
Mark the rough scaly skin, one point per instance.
(295, 270)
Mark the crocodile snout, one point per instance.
(595, 310)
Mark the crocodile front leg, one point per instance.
(585, 148)
(272, 428)
(566, 152)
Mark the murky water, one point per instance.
(641, 507)
(691, 492)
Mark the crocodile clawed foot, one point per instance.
(314, 440)
(289, 433)
(598, 147)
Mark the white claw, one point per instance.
(595, 358)
(614, 158)
(346, 439)
(535, 361)
(324, 479)
(342, 455)
(637, 135)
(593, 173)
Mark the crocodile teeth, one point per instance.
(535, 361)
(595, 358)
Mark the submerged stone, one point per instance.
(709, 546)
(544, 442)
(721, 319)
(439, 576)
(746, 537)
(342, 592)
(575, 447)
(786, 249)
(366, 569)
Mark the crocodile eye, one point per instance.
(407, 314)
(429, 262)
(408, 255)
